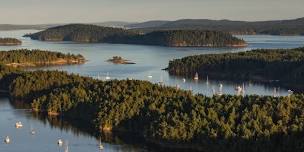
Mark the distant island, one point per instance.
(9, 41)
(120, 60)
(32, 58)
(160, 115)
(171, 38)
(271, 27)
(264, 65)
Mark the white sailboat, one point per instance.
(7, 140)
(32, 131)
(275, 92)
(196, 76)
(108, 77)
(100, 146)
(66, 148)
(177, 86)
(240, 90)
(213, 91)
(220, 92)
(243, 89)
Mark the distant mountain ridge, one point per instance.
(6, 27)
(275, 27)
(148, 24)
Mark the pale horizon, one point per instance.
(93, 11)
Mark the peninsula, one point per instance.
(163, 116)
(263, 65)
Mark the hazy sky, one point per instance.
(71, 11)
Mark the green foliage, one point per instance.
(81, 33)
(27, 85)
(182, 38)
(6, 73)
(37, 57)
(4, 70)
(165, 114)
(9, 41)
(260, 65)
(176, 38)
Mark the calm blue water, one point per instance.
(150, 60)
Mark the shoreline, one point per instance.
(49, 63)
(253, 79)
(168, 45)
(10, 44)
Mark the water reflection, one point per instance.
(49, 130)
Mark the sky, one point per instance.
(88, 11)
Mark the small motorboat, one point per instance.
(101, 147)
(18, 125)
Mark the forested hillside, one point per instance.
(9, 41)
(284, 65)
(174, 38)
(167, 116)
(36, 57)
(81, 33)
(189, 38)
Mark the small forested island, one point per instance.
(171, 38)
(36, 57)
(264, 65)
(9, 41)
(163, 116)
(120, 60)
